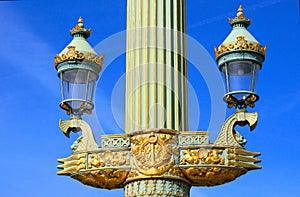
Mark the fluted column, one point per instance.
(156, 68)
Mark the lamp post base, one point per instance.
(157, 187)
(159, 162)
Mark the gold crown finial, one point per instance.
(80, 20)
(240, 9)
(79, 28)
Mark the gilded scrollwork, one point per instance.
(212, 176)
(176, 171)
(73, 54)
(108, 178)
(240, 44)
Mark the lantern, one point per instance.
(78, 67)
(240, 59)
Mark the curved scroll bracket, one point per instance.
(228, 136)
(86, 142)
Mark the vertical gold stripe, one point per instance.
(129, 77)
(176, 64)
(152, 64)
(160, 63)
(185, 68)
(138, 64)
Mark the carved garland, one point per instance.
(72, 54)
(240, 44)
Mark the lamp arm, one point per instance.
(87, 141)
(228, 136)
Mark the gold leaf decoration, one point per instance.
(72, 54)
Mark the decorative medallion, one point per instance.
(153, 154)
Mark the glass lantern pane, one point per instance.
(240, 78)
(74, 94)
(91, 90)
(78, 88)
(75, 76)
(240, 68)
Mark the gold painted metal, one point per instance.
(109, 158)
(227, 136)
(240, 44)
(156, 155)
(108, 179)
(80, 28)
(84, 143)
(152, 154)
(212, 176)
(202, 155)
(240, 17)
(72, 54)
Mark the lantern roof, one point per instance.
(239, 38)
(79, 48)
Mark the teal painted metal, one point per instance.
(157, 188)
(243, 55)
(240, 24)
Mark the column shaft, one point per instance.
(156, 68)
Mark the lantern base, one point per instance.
(77, 107)
(240, 99)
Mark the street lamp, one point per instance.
(240, 59)
(163, 159)
(78, 67)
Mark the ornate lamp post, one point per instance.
(158, 159)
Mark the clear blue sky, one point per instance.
(32, 32)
